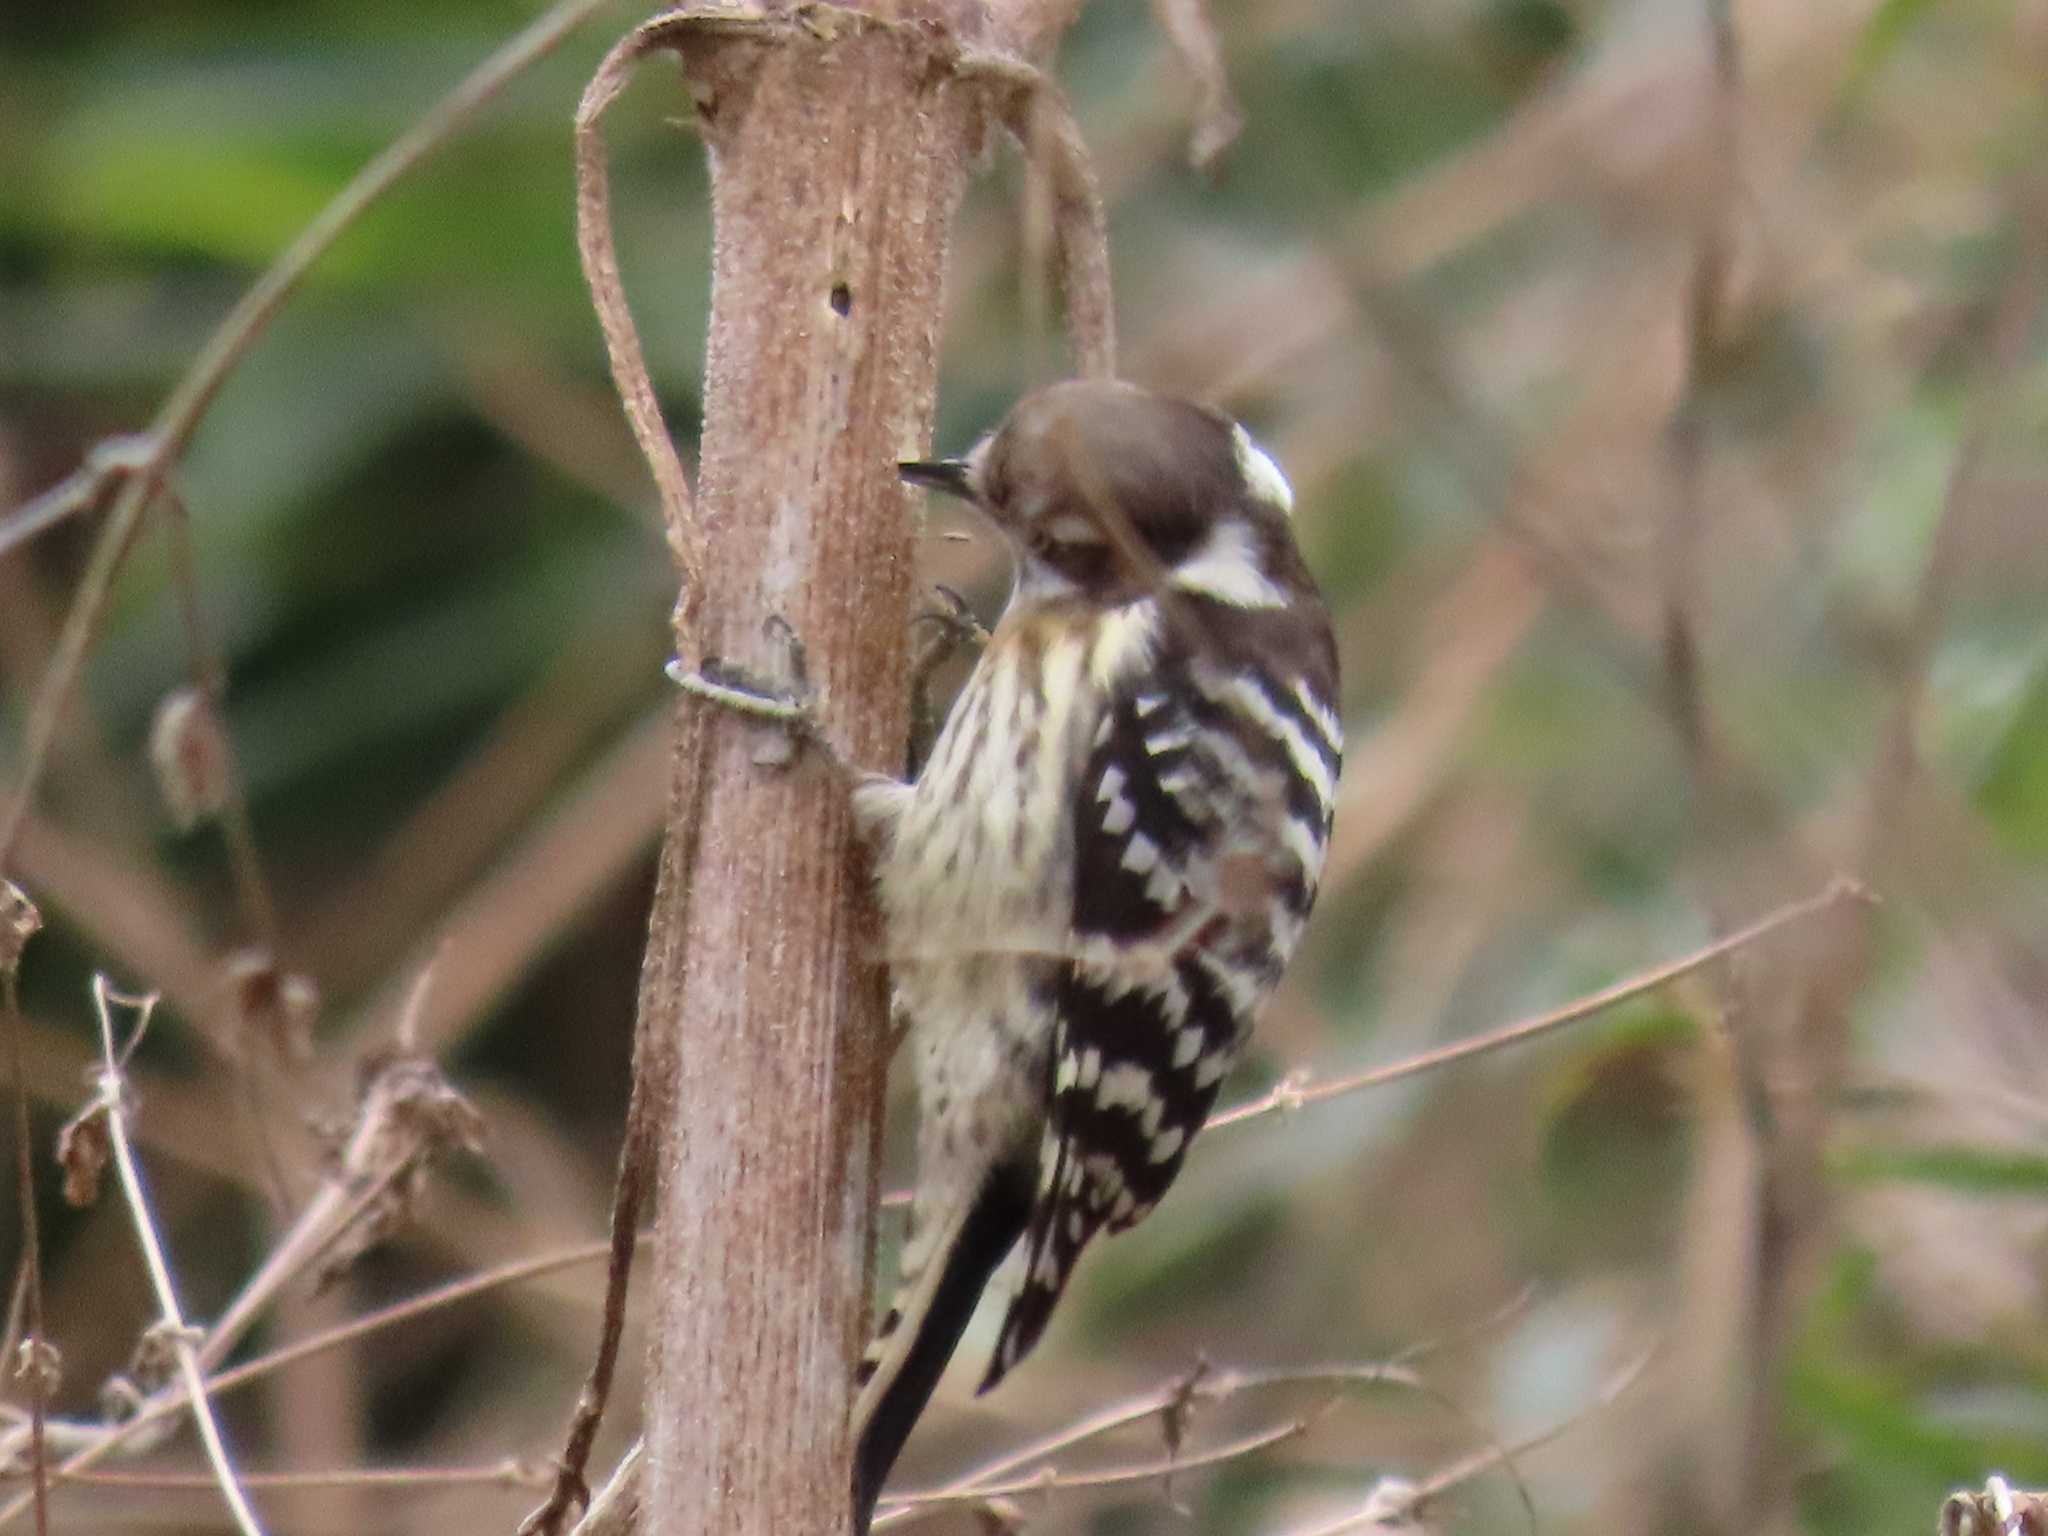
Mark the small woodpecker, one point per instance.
(1106, 861)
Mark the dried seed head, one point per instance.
(190, 753)
(39, 1367)
(19, 921)
(84, 1149)
(408, 1116)
(155, 1362)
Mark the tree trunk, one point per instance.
(839, 153)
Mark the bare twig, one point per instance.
(906, 1507)
(1034, 107)
(608, 295)
(569, 1488)
(179, 417)
(100, 1440)
(109, 1102)
(19, 921)
(422, 1305)
(504, 1474)
(1205, 1385)
(407, 1115)
(1170, 1403)
(2011, 328)
(106, 466)
(1706, 298)
(595, 246)
(1295, 1092)
(1218, 119)
(1396, 1503)
(210, 677)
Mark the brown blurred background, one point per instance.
(1672, 443)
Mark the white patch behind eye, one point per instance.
(1262, 476)
(1226, 566)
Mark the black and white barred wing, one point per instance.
(1207, 802)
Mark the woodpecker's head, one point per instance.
(1109, 491)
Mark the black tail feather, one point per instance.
(1000, 1215)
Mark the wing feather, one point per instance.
(1205, 807)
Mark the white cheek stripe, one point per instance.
(1262, 476)
(1226, 568)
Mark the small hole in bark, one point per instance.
(842, 299)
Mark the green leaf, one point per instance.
(1969, 1170)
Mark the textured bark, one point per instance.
(839, 151)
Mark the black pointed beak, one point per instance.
(949, 475)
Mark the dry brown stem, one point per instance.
(210, 681)
(1397, 1502)
(502, 1474)
(908, 1507)
(407, 1117)
(87, 1444)
(838, 154)
(997, 1477)
(1218, 120)
(19, 922)
(1296, 1092)
(839, 148)
(1763, 1222)
(109, 1103)
(1172, 1404)
(1038, 113)
(595, 247)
